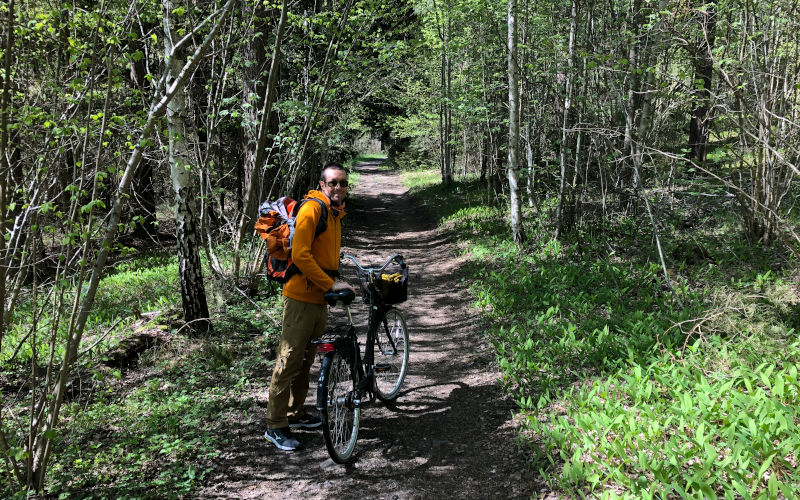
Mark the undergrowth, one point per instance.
(160, 438)
(149, 422)
(152, 429)
(629, 386)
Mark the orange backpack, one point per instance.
(276, 220)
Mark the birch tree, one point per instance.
(184, 184)
(517, 231)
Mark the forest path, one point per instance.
(450, 434)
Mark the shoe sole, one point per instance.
(278, 445)
(305, 426)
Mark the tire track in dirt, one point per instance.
(450, 433)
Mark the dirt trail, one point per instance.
(450, 433)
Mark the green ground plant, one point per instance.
(624, 393)
(159, 438)
(155, 439)
(139, 284)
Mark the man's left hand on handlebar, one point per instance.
(341, 285)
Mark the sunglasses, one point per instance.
(333, 184)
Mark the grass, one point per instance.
(140, 284)
(365, 157)
(623, 393)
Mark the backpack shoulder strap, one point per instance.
(322, 223)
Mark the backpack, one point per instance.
(276, 220)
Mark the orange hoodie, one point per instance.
(312, 255)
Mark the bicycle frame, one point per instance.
(347, 345)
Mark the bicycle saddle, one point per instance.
(345, 296)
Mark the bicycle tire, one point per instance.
(340, 418)
(390, 356)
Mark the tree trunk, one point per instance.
(143, 190)
(185, 189)
(444, 24)
(5, 168)
(254, 156)
(517, 230)
(629, 182)
(564, 190)
(703, 71)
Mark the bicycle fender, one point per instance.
(322, 385)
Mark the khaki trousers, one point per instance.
(302, 322)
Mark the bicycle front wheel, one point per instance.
(390, 355)
(340, 416)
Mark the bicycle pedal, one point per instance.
(383, 368)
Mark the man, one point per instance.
(305, 312)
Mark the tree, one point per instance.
(517, 231)
(444, 26)
(703, 61)
(256, 135)
(184, 184)
(565, 190)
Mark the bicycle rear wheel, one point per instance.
(340, 417)
(390, 356)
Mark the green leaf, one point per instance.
(757, 479)
(778, 387)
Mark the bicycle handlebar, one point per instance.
(369, 270)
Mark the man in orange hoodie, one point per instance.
(305, 312)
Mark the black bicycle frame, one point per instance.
(347, 346)
(349, 349)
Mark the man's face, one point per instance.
(332, 185)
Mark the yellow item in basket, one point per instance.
(392, 278)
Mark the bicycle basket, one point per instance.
(394, 286)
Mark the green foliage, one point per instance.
(162, 437)
(143, 284)
(561, 305)
(446, 200)
(675, 426)
(623, 393)
(419, 179)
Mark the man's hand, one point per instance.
(341, 285)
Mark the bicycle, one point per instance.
(346, 378)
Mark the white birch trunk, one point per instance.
(517, 231)
(185, 188)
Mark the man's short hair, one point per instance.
(332, 166)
